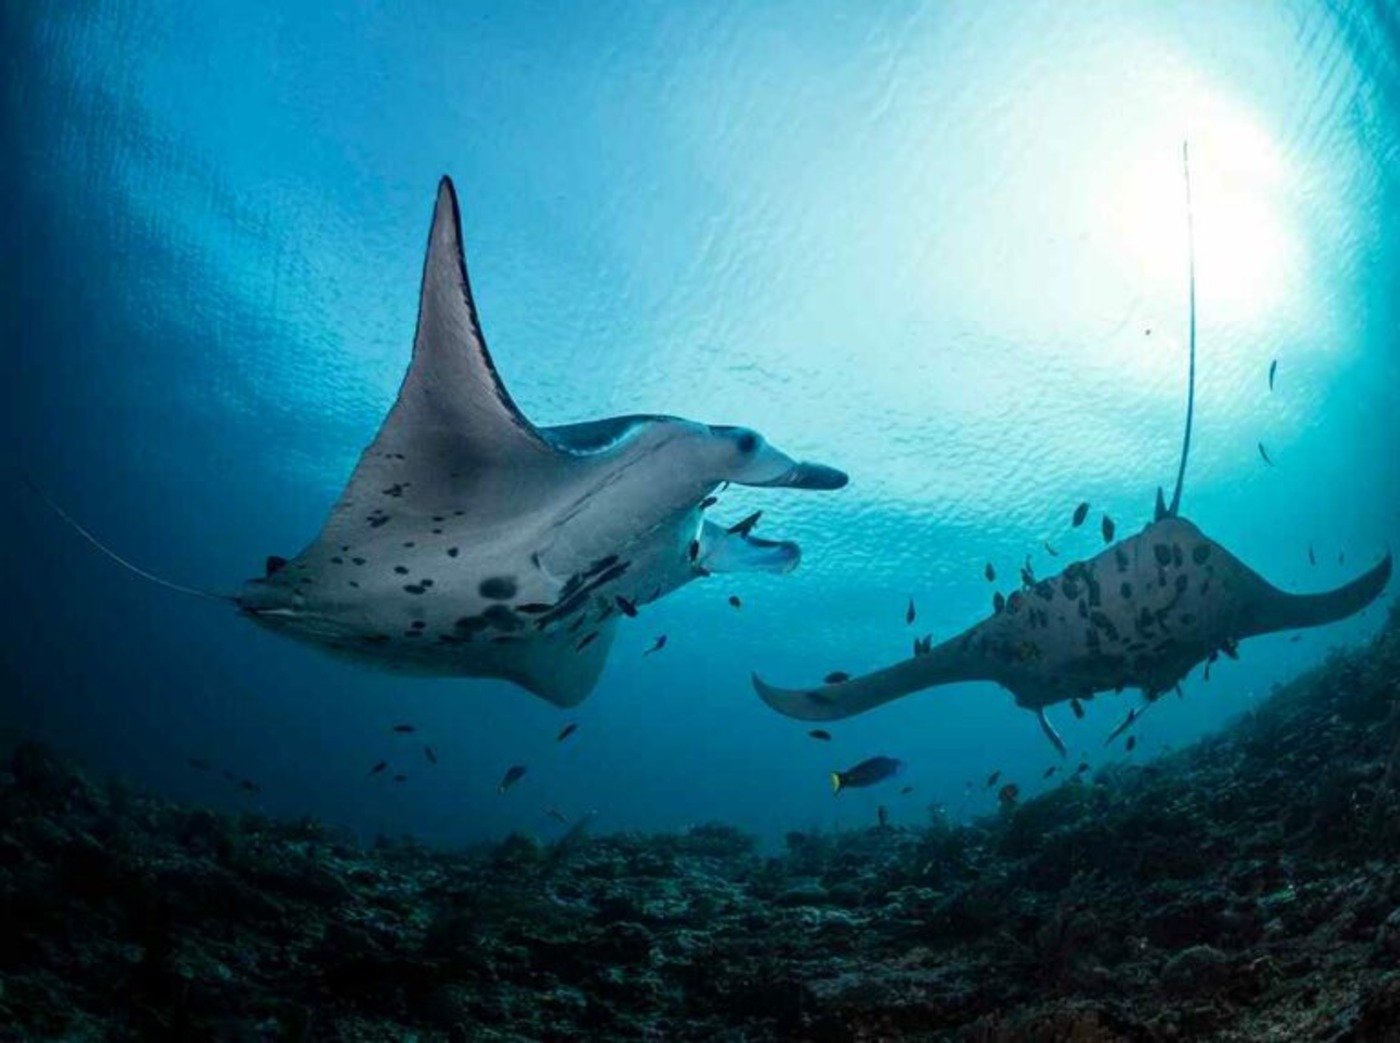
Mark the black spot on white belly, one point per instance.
(498, 588)
(470, 625)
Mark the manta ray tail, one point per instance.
(113, 555)
(1278, 610)
(945, 664)
(1191, 309)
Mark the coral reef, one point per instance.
(1245, 888)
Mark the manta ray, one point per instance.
(470, 542)
(1141, 614)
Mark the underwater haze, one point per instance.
(940, 246)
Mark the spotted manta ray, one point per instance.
(471, 542)
(1141, 614)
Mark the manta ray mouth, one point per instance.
(817, 477)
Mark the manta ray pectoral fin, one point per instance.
(945, 664)
(452, 390)
(555, 668)
(724, 551)
(1050, 732)
(453, 431)
(1275, 610)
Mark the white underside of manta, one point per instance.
(470, 542)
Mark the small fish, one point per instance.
(746, 526)
(378, 768)
(992, 779)
(1108, 528)
(1049, 549)
(990, 572)
(1312, 555)
(428, 753)
(198, 763)
(628, 608)
(1008, 794)
(1265, 454)
(1273, 368)
(998, 602)
(404, 729)
(694, 550)
(734, 601)
(248, 786)
(923, 645)
(866, 773)
(1083, 767)
(708, 502)
(1080, 513)
(882, 815)
(909, 613)
(557, 815)
(566, 731)
(660, 644)
(1131, 743)
(511, 777)
(820, 733)
(1050, 771)
(400, 777)
(1027, 573)
(588, 639)
(1078, 708)
(836, 677)
(906, 791)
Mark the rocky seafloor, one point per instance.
(1246, 888)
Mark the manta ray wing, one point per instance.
(555, 668)
(454, 442)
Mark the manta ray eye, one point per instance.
(748, 442)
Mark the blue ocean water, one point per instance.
(941, 246)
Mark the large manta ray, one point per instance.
(1141, 614)
(470, 542)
